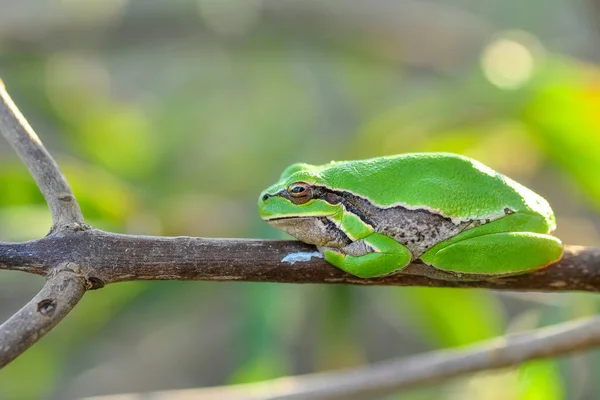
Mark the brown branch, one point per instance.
(62, 291)
(107, 258)
(387, 377)
(53, 185)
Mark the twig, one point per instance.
(60, 294)
(65, 285)
(391, 376)
(108, 258)
(53, 185)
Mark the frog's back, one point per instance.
(451, 185)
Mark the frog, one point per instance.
(441, 215)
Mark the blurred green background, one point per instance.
(169, 118)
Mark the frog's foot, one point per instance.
(375, 255)
(496, 254)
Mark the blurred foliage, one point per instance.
(178, 136)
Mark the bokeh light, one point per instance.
(509, 60)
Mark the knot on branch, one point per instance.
(46, 307)
(93, 283)
(65, 198)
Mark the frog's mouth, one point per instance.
(271, 219)
(323, 217)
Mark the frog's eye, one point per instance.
(300, 192)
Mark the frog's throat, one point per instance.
(320, 231)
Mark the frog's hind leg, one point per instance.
(497, 254)
(486, 250)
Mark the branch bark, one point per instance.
(53, 185)
(108, 258)
(62, 291)
(387, 377)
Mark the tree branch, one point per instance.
(108, 258)
(387, 377)
(62, 291)
(53, 185)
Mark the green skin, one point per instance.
(375, 217)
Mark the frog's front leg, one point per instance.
(374, 255)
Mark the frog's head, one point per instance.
(300, 204)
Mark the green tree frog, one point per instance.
(451, 216)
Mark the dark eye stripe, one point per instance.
(332, 198)
(348, 200)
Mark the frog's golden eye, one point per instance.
(300, 192)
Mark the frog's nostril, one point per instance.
(265, 197)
